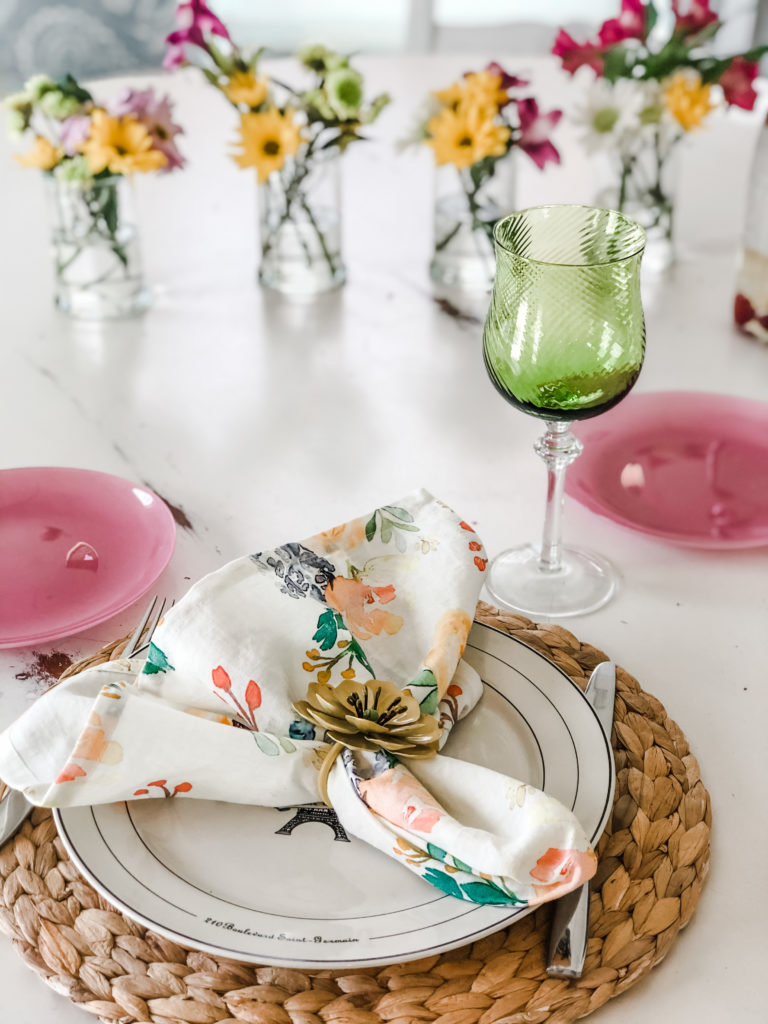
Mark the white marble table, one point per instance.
(263, 420)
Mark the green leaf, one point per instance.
(435, 851)
(370, 528)
(425, 678)
(285, 743)
(486, 892)
(386, 530)
(398, 513)
(616, 63)
(265, 744)
(651, 17)
(429, 704)
(357, 652)
(70, 87)
(462, 866)
(327, 630)
(403, 526)
(442, 881)
(156, 661)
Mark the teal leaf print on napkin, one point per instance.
(487, 892)
(444, 882)
(157, 661)
(327, 630)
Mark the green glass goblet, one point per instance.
(564, 339)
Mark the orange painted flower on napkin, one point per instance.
(92, 745)
(353, 599)
(341, 537)
(400, 798)
(448, 645)
(563, 870)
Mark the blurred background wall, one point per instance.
(93, 38)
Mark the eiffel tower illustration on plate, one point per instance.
(306, 813)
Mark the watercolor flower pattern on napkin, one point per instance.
(360, 606)
(562, 870)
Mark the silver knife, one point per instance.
(570, 921)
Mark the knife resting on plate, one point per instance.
(570, 921)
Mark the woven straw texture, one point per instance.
(653, 860)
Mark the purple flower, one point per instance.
(130, 101)
(535, 129)
(74, 131)
(156, 114)
(158, 118)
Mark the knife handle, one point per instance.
(568, 938)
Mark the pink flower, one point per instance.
(194, 19)
(156, 115)
(630, 24)
(197, 15)
(736, 83)
(535, 129)
(175, 57)
(574, 55)
(698, 17)
(560, 871)
(74, 131)
(507, 81)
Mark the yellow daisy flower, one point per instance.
(479, 89)
(463, 136)
(244, 87)
(453, 96)
(687, 99)
(43, 155)
(484, 90)
(121, 145)
(267, 138)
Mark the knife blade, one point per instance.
(570, 921)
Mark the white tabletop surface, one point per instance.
(265, 420)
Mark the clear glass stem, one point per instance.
(558, 448)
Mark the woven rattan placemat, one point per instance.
(653, 860)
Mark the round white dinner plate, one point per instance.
(284, 887)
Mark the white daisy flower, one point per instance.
(618, 115)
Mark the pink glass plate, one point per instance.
(76, 548)
(688, 467)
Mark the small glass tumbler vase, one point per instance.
(464, 219)
(645, 189)
(300, 227)
(96, 252)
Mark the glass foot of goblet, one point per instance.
(582, 583)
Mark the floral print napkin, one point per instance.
(210, 712)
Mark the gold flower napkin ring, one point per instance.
(373, 716)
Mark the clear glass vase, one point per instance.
(644, 187)
(300, 227)
(465, 216)
(97, 258)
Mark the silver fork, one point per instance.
(14, 806)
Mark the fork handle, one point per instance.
(568, 937)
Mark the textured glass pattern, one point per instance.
(565, 336)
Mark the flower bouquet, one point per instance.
(473, 127)
(293, 138)
(89, 152)
(649, 94)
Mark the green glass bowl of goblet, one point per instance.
(564, 339)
